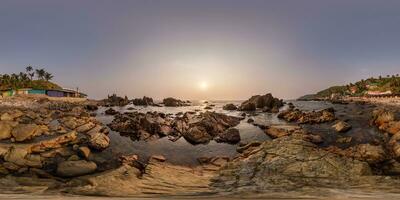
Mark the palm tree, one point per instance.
(40, 73)
(5, 79)
(30, 72)
(48, 76)
(14, 80)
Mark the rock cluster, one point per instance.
(194, 128)
(172, 102)
(266, 102)
(229, 106)
(314, 117)
(49, 141)
(145, 101)
(115, 100)
(386, 121)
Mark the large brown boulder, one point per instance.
(231, 136)
(25, 131)
(6, 128)
(172, 102)
(261, 101)
(75, 168)
(98, 139)
(382, 116)
(229, 106)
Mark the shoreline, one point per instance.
(394, 101)
(213, 176)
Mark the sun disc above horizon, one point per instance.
(203, 85)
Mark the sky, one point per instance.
(201, 49)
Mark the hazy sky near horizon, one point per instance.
(201, 49)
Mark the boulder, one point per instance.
(25, 131)
(84, 152)
(204, 127)
(341, 127)
(394, 146)
(261, 101)
(197, 135)
(98, 139)
(85, 127)
(322, 116)
(287, 163)
(91, 107)
(115, 100)
(391, 127)
(382, 116)
(275, 132)
(172, 102)
(54, 143)
(75, 168)
(145, 101)
(231, 136)
(142, 125)
(128, 159)
(275, 109)
(248, 106)
(111, 111)
(5, 130)
(6, 117)
(20, 157)
(372, 154)
(229, 106)
(159, 158)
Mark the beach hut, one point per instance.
(7, 93)
(55, 93)
(36, 91)
(23, 91)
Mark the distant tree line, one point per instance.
(30, 78)
(382, 84)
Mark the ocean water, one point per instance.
(181, 152)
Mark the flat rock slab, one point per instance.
(159, 179)
(287, 163)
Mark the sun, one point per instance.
(203, 85)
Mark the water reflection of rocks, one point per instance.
(62, 148)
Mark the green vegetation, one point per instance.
(332, 90)
(361, 88)
(26, 80)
